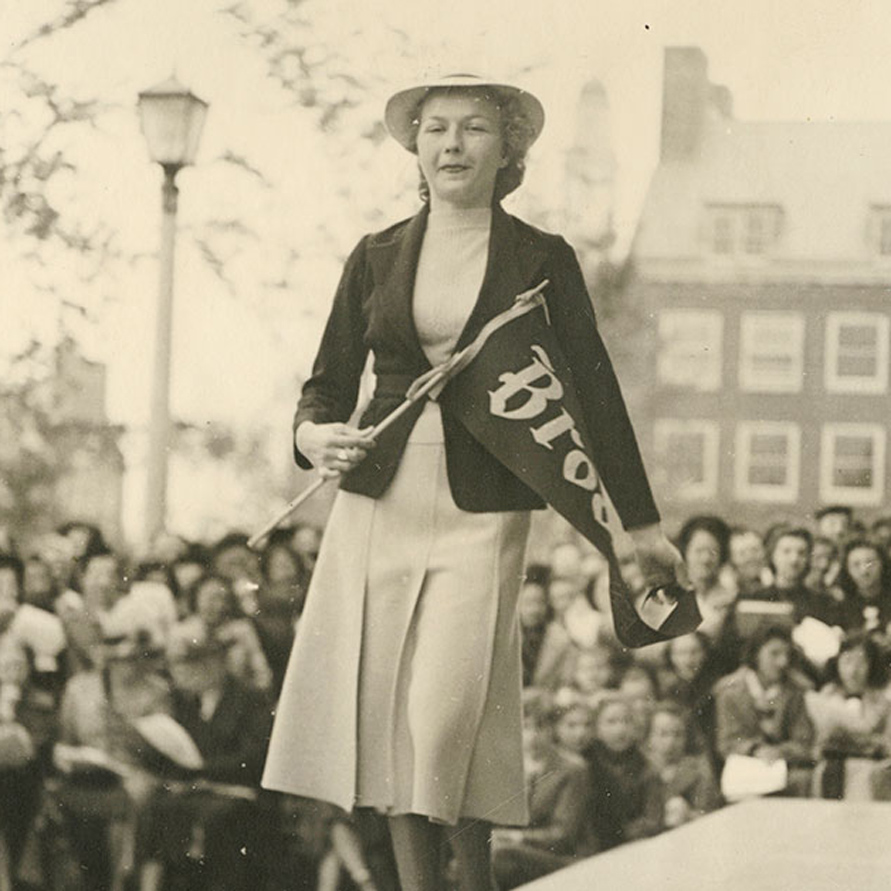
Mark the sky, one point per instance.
(238, 349)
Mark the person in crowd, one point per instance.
(216, 823)
(748, 560)
(596, 670)
(361, 850)
(823, 572)
(880, 533)
(306, 540)
(760, 712)
(558, 789)
(216, 612)
(835, 522)
(790, 549)
(280, 599)
(626, 800)
(686, 678)
(704, 542)
(193, 563)
(639, 686)
(545, 646)
(865, 581)
(689, 785)
(8, 544)
(572, 722)
(23, 749)
(39, 585)
(852, 712)
(231, 558)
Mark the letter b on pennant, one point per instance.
(525, 394)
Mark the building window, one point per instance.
(771, 353)
(687, 458)
(743, 229)
(690, 348)
(768, 461)
(852, 464)
(856, 352)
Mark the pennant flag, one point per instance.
(515, 395)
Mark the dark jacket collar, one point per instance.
(514, 265)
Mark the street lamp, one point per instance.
(172, 119)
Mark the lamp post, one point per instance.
(172, 119)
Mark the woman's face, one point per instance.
(668, 737)
(687, 656)
(703, 557)
(533, 605)
(573, 729)
(865, 568)
(561, 593)
(853, 670)
(460, 148)
(790, 559)
(772, 662)
(212, 602)
(593, 671)
(615, 726)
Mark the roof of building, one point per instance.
(824, 176)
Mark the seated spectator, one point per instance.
(216, 613)
(865, 581)
(305, 540)
(597, 669)
(535, 616)
(568, 593)
(760, 712)
(689, 786)
(823, 571)
(361, 851)
(626, 793)
(704, 544)
(572, 723)
(638, 686)
(21, 764)
(212, 830)
(280, 599)
(748, 560)
(852, 712)
(686, 678)
(789, 552)
(835, 522)
(880, 533)
(193, 563)
(558, 789)
(39, 586)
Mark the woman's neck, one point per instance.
(445, 211)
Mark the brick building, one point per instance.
(762, 282)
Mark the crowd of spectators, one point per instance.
(136, 699)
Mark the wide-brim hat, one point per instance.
(399, 115)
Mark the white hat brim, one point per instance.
(399, 114)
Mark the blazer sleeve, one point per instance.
(332, 390)
(616, 452)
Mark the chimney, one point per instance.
(686, 95)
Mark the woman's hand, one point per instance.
(332, 448)
(659, 560)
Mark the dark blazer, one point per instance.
(372, 310)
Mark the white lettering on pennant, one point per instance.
(516, 383)
(536, 386)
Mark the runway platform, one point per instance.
(763, 845)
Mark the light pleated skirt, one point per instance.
(403, 689)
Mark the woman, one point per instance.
(403, 689)
(760, 712)
(865, 580)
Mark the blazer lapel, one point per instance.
(511, 269)
(394, 265)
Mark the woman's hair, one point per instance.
(781, 531)
(845, 582)
(877, 673)
(761, 638)
(703, 639)
(714, 526)
(281, 544)
(517, 134)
